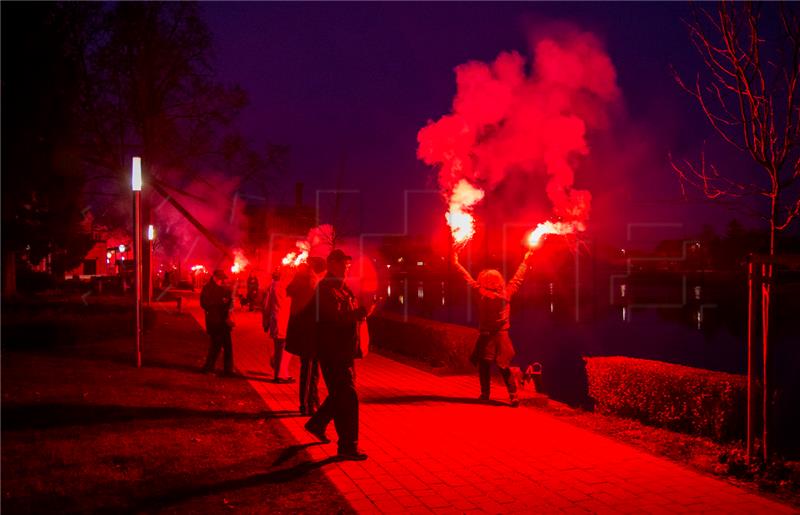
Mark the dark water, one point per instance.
(694, 319)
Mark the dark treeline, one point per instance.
(85, 86)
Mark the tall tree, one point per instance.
(154, 93)
(42, 49)
(750, 94)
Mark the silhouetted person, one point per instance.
(301, 333)
(252, 292)
(216, 299)
(337, 344)
(494, 344)
(275, 320)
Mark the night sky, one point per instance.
(348, 86)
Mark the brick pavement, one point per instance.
(433, 449)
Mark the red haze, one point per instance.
(511, 116)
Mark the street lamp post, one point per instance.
(151, 236)
(136, 186)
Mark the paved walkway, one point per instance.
(433, 449)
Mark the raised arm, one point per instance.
(463, 271)
(519, 276)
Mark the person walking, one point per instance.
(252, 292)
(301, 333)
(275, 319)
(216, 299)
(494, 309)
(337, 344)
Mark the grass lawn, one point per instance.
(83, 430)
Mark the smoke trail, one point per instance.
(505, 119)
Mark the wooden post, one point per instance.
(750, 356)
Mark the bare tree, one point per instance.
(153, 92)
(749, 94)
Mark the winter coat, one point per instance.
(275, 314)
(337, 334)
(301, 332)
(217, 302)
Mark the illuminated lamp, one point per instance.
(136, 174)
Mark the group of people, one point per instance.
(316, 317)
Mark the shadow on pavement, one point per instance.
(414, 399)
(50, 415)
(178, 495)
(292, 451)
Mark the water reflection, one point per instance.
(450, 301)
(698, 321)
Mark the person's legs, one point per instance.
(305, 373)
(214, 347)
(345, 414)
(511, 384)
(286, 358)
(278, 356)
(325, 412)
(484, 372)
(227, 345)
(312, 395)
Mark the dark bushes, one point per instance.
(692, 400)
(439, 344)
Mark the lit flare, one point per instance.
(240, 262)
(296, 258)
(459, 217)
(548, 227)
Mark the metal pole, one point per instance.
(150, 271)
(750, 381)
(766, 282)
(137, 230)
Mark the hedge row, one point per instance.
(437, 343)
(692, 400)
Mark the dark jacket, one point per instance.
(494, 310)
(216, 301)
(301, 333)
(338, 312)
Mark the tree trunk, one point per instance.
(766, 291)
(9, 273)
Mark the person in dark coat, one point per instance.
(252, 292)
(337, 345)
(301, 333)
(494, 309)
(216, 299)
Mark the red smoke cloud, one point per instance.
(506, 118)
(214, 201)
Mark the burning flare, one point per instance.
(535, 236)
(239, 261)
(295, 258)
(459, 218)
